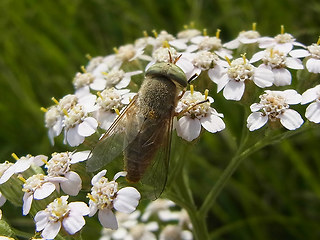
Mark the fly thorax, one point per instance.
(157, 96)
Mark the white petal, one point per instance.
(92, 208)
(120, 174)
(7, 174)
(234, 90)
(313, 65)
(294, 63)
(73, 138)
(73, 185)
(88, 127)
(284, 47)
(232, 44)
(73, 223)
(257, 56)
(313, 112)
(179, 44)
(187, 128)
(106, 118)
(41, 219)
(245, 40)
(79, 156)
(263, 77)
(99, 175)
(310, 95)
(124, 82)
(44, 191)
(39, 160)
(292, 97)
(27, 202)
(291, 119)
(282, 77)
(256, 107)
(79, 207)
(107, 219)
(99, 84)
(222, 82)
(22, 165)
(127, 200)
(216, 73)
(51, 230)
(299, 53)
(256, 120)
(212, 123)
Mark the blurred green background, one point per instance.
(274, 195)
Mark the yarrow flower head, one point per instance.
(313, 56)
(277, 62)
(233, 78)
(197, 112)
(59, 170)
(60, 212)
(109, 102)
(283, 42)
(313, 110)
(21, 165)
(244, 37)
(274, 106)
(36, 187)
(105, 196)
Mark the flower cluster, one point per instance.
(161, 219)
(263, 80)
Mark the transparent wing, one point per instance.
(116, 138)
(155, 178)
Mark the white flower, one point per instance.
(58, 167)
(21, 165)
(232, 79)
(283, 42)
(105, 196)
(277, 61)
(160, 207)
(244, 37)
(36, 187)
(53, 121)
(78, 125)
(58, 213)
(313, 110)
(313, 54)
(274, 106)
(108, 101)
(183, 38)
(118, 78)
(82, 80)
(206, 43)
(200, 61)
(175, 232)
(196, 115)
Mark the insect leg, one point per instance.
(190, 107)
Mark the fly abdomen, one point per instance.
(140, 152)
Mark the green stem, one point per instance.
(237, 160)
